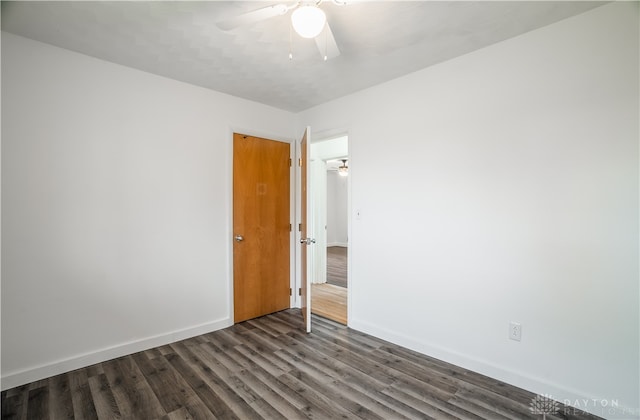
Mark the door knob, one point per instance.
(239, 238)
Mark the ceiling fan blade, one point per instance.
(253, 17)
(327, 43)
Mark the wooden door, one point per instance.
(305, 240)
(261, 229)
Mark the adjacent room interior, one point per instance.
(330, 202)
(492, 217)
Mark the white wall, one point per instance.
(337, 216)
(116, 208)
(516, 200)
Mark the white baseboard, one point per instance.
(581, 401)
(342, 244)
(14, 379)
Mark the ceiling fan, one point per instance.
(307, 19)
(342, 169)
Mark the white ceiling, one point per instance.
(379, 41)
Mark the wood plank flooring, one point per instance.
(269, 368)
(329, 301)
(337, 265)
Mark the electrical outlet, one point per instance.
(515, 331)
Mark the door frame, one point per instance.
(292, 208)
(324, 157)
(295, 209)
(318, 137)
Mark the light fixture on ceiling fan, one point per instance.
(343, 169)
(307, 19)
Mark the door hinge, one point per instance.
(290, 292)
(299, 161)
(290, 227)
(300, 291)
(289, 162)
(299, 227)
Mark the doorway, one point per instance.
(329, 180)
(261, 226)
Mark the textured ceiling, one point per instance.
(379, 41)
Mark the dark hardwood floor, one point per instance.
(337, 265)
(269, 368)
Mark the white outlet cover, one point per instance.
(515, 331)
